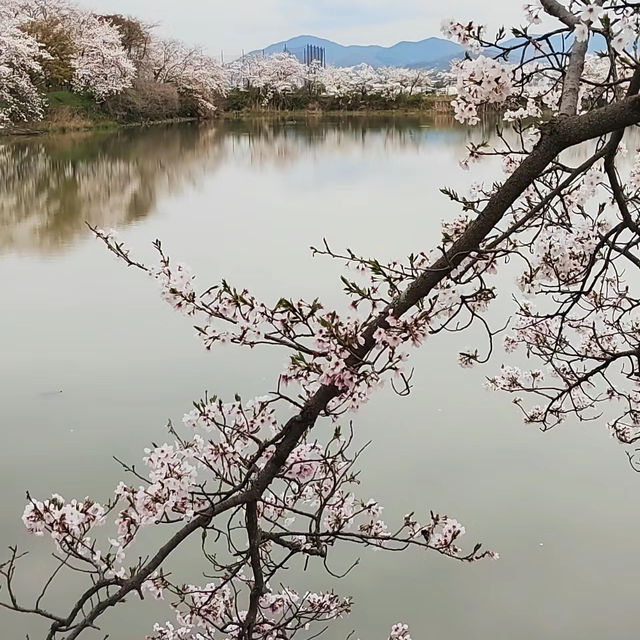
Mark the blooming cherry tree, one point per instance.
(20, 56)
(100, 63)
(189, 69)
(273, 478)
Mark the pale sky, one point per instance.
(236, 25)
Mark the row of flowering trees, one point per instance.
(266, 480)
(274, 80)
(122, 64)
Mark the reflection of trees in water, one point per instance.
(286, 141)
(50, 186)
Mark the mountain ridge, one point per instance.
(429, 53)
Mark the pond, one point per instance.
(94, 365)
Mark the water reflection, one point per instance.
(52, 185)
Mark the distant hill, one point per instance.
(429, 53)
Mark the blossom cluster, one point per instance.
(400, 631)
(68, 523)
(20, 65)
(282, 613)
(468, 35)
(480, 81)
(624, 29)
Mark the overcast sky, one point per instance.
(236, 25)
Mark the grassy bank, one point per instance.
(65, 112)
(68, 112)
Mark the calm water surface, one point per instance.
(94, 364)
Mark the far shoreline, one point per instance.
(46, 127)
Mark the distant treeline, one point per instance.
(72, 67)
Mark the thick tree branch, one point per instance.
(558, 10)
(253, 533)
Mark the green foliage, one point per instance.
(71, 100)
(58, 43)
(237, 100)
(69, 111)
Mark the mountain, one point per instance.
(432, 52)
(429, 53)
